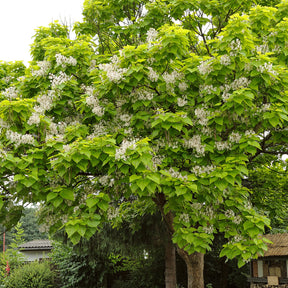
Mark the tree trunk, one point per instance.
(195, 268)
(170, 265)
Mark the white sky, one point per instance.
(20, 18)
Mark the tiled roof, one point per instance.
(279, 247)
(36, 245)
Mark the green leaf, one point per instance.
(51, 196)
(91, 202)
(103, 205)
(142, 183)
(57, 201)
(67, 194)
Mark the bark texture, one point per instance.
(170, 265)
(195, 268)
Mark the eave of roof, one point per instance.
(36, 245)
(279, 247)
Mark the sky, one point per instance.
(20, 18)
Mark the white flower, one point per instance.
(235, 46)
(184, 218)
(19, 139)
(153, 76)
(126, 119)
(229, 213)
(195, 143)
(120, 152)
(151, 35)
(221, 145)
(34, 119)
(182, 101)
(202, 115)
(267, 67)
(234, 137)
(64, 61)
(183, 86)
(113, 72)
(208, 229)
(66, 148)
(10, 93)
(225, 60)
(44, 67)
(199, 170)
(57, 80)
(172, 77)
(205, 67)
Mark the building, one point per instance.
(271, 270)
(36, 250)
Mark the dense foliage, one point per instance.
(167, 102)
(33, 275)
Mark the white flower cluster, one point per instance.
(202, 116)
(45, 102)
(229, 213)
(112, 213)
(57, 80)
(126, 119)
(238, 83)
(63, 61)
(67, 148)
(34, 119)
(183, 86)
(184, 218)
(205, 67)
(93, 102)
(121, 151)
(208, 229)
(209, 212)
(263, 49)
(171, 78)
(153, 76)
(234, 137)
(100, 129)
(106, 180)
(10, 93)
(206, 89)
(3, 154)
(44, 67)
(157, 160)
(195, 143)
(56, 131)
(265, 107)
(241, 82)
(113, 72)
(267, 67)
(19, 139)
(225, 60)
(177, 174)
(222, 145)
(142, 94)
(199, 170)
(182, 101)
(235, 46)
(249, 133)
(7, 79)
(151, 35)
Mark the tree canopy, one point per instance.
(168, 102)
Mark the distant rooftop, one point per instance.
(36, 245)
(279, 247)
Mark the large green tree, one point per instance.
(165, 101)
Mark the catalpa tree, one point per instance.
(175, 117)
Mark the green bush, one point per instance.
(34, 275)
